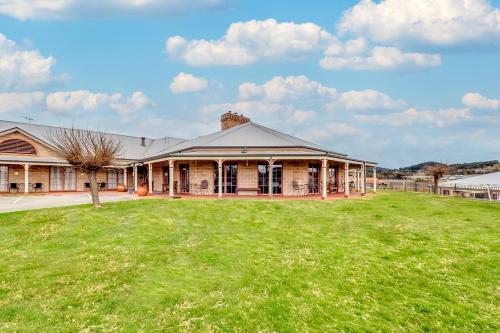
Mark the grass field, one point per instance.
(390, 262)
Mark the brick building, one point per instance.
(243, 158)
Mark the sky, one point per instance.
(393, 81)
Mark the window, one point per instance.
(16, 146)
(4, 178)
(313, 178)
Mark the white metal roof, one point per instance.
(491, 179)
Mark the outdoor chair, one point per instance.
(13, 187)
(102, 186)
(299, 189)
(204, 186)
(37, 187)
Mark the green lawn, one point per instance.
(390, 262)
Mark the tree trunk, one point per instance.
(94, 190)
(436, 182)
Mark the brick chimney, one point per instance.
(229, 119)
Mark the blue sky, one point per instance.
(395, 81)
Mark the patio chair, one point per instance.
(204, 186)
(299, 189)
(38, 187)
(102, 186)
(13, 186)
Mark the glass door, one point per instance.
(56, 179)
(69, 179)
(112, 179)
(62, 179)
(263, 169)
(277, 178)
(313, 178)
(4, 178)
(184, 178)
(230, 177)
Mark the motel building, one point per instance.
(242, 159)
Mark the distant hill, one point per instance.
(469, 168)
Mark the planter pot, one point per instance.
(142, 191)
(120, 188)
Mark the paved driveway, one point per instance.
(11, 203)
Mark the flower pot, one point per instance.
(120, 188)
(142, 191)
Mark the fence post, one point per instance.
(489, 193)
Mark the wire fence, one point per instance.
(484, 192)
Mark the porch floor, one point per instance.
(331, 196)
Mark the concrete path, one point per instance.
(17, 202)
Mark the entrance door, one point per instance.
(184, 177)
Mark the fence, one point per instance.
(485, 192)
(406, 185)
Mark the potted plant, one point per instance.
(142, 191)
(120, 188)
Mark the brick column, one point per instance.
(171, 178)
(374, 179)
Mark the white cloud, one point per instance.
(360, 100)
(138, 101)
(440, 118)
(378, 58)
(66, 9)
(23, 68)
(73, 101)
(438, 22)
(16, 101)
(304, 90)
(184, 83)
(285, 88)
(478, 101)
(247, 42)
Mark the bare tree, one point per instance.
(436, 171)
(85, 150)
